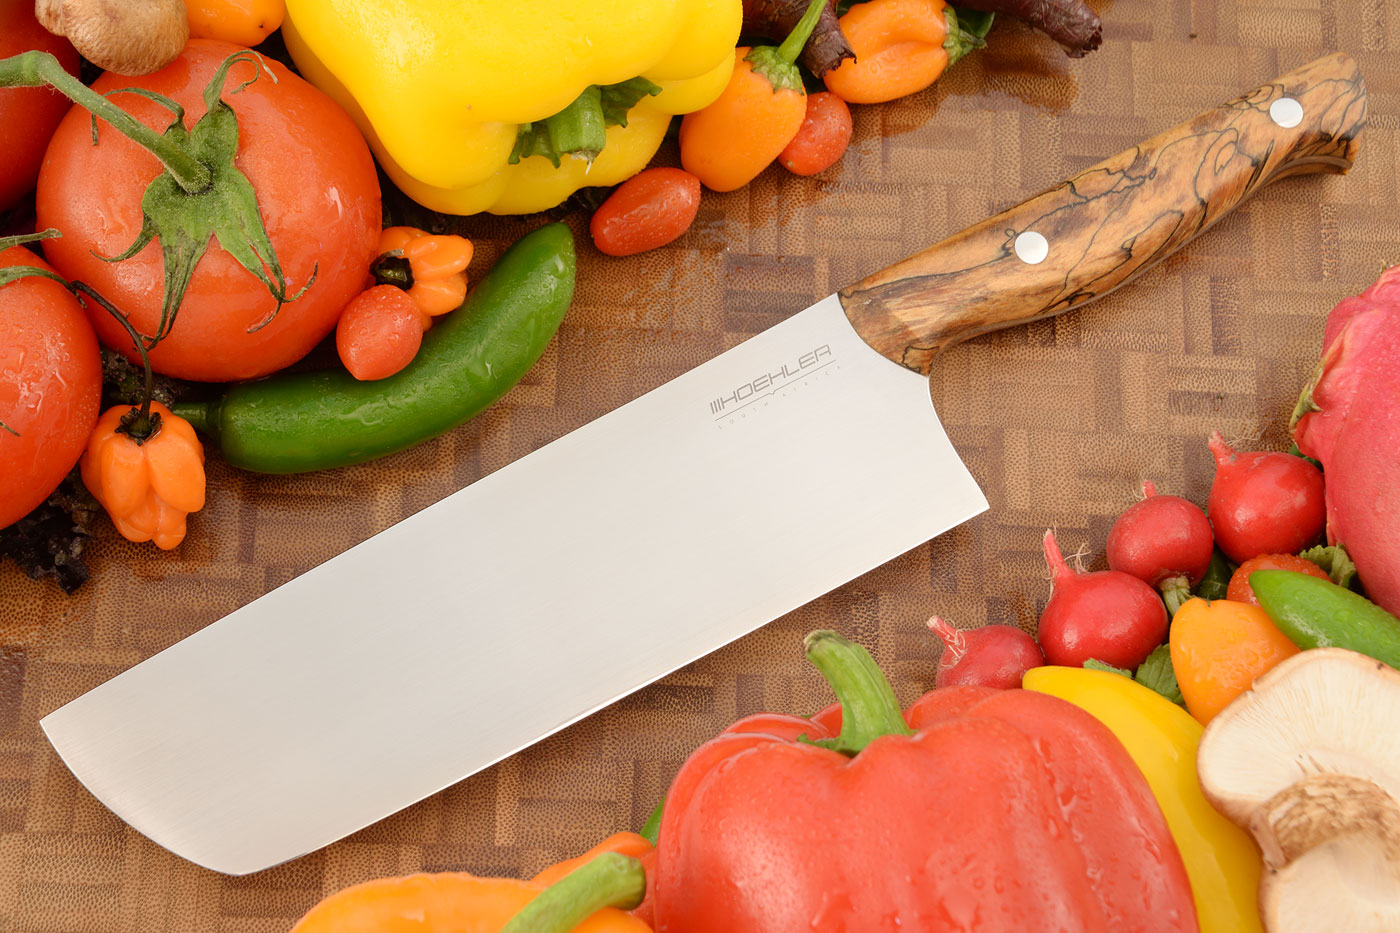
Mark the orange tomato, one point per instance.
(50, 386)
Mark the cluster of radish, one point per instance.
(1261, 503)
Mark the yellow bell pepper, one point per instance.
(1221, 860)
(440, 89)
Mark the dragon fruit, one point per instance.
(1349, 419)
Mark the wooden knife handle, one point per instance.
(1112, 221)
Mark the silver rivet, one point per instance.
(1286, 112)
(1031, 248)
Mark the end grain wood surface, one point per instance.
(1060, 422)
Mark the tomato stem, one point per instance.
(37, 69)
(609, 880)
(140, 424)
(6, 427)
(868, 705)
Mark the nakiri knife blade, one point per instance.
(675, 524)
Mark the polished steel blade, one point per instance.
(683, 520)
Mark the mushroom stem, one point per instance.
(1321, 808)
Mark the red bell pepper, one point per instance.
(978, 809)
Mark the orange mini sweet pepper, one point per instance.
(1219, 647)
(583, 894)
(901, 46)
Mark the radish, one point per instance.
(990, 656)
(1349, 418)
(1263, 502)
(1107, 615)
(1165, 542)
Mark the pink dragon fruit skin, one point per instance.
(1349, 419)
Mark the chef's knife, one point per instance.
(683, 520)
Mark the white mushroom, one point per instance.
(129, 37)
(1309, 762)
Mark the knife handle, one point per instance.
(1112, 221)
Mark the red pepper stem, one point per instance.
(868, 705)
(609, 880)
(37, 69)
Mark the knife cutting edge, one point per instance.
(584, 571)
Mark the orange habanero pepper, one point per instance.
(431, 268)
(727, 144)
(901, 46)
(146, 467)
(582, 895)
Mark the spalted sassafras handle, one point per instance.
(1112, 221)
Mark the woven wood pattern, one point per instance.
(1060, 421)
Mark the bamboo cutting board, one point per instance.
(1059, 421)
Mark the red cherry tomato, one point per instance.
(1239, 590)
(317, 192)
(650, 209)
(51, 388)
(380, 332)
(823, 137)
(28, 115)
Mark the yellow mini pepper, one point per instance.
(443, 89)
(1221, 860)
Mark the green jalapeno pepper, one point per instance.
(299, 422)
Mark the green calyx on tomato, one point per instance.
(200, 194)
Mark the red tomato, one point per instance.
(823, 137)
(28, 115)
(650, 209)
(380, 332)
(51, 387)
(1239, 590)
(318, 195)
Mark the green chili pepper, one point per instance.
(1316, 613)
(300, 422)
(1216, 582)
